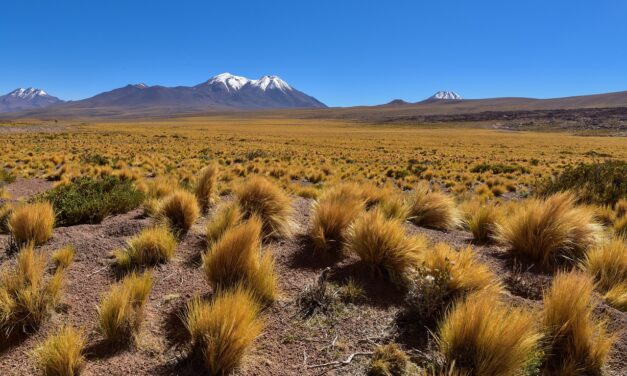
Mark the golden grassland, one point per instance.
(300, 153)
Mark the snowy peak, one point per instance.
(446, 95)
(27, 94)
(229, 81)
(271, 82)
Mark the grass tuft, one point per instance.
(225, 217)
(481, 336)
(206, 187)
(576, 342)
(388, 360)
(607, 264)
(383, 245)
(63, 257)
(152, 246)
(235, 260)
(121, 310)
(222, 331)
(433, 209)
(32, 223)
(179, 211)
(549, 231)
(62, 353)
(258, 196)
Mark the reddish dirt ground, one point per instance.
(290, 343)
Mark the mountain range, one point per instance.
(222, 92)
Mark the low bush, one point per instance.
(222, 331)
(32, 223)
(577, 344)
(549, 231)
(433, 209)
(206, 187)
(121, 310)
(152, 246)
(236, 259)
(89, 200)
(600, 183)
(225, 217)
(27, 293)
(61, 354)
(481, 336)
(179, 211)
(383, 245)
(258, 196)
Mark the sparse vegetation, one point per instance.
(388, 360)
(223, 330)
(32, 223)
(63, 257)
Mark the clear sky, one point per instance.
(342, 52)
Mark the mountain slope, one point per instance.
(24, 99)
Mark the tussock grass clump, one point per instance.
(235, 260)
(151, 207)
(577, 344)
(482, 221)
(395, 206)
(331, 218)
(27, 295)
(607, 264)
(179, 211)
(547, 231)
(481, 336)
(383, 245)
(433, 209)
(226, 217)
(620, 227)
(121, 310)
(5, 213)
(63, 257)
(222, 331)
(616, 296)
(388, 360)
(61, 354)
(32, 223)
(258, 196)
(444, 276)
(89, 200)
(206, 187)
(152, 246)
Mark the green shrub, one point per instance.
(6, 176)
(88, 200)
(498, 168)
(600, 183)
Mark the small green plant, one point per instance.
(89, 200)
(352, 291)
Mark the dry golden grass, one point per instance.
(620, 227)
(151, 207)
(32, 223)
(482, 220)
(121, 310)
(61, 354)
(607, 263)
(258, 196)
(179, 211)
(331, 216)
(395, 206)
(467, 274)
(5, 214)
(384, 246)
(482, 336)
(225, 217)
(549, 231)
(236, 259)
(388, 360)
(152, 246)
(222, 331)
(27, 295)
(577, 344)
(433, 209)
(621, 208)
(206, 187)
(63, 257)
(616, 296)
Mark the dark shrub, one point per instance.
(88, 200)
(6, 177)
(600, 183)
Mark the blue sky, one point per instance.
(342, 52)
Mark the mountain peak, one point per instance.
(446, 95)
(28, 93)
(229, 81)
(140, 85)
(271, 82)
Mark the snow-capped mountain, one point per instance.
(24, 99)
(446, 95)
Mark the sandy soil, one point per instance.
(290, 343)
